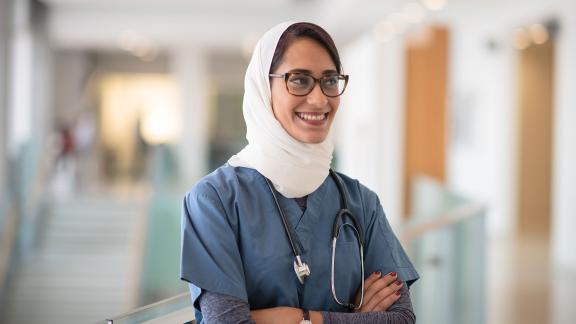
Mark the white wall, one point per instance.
(29, 77)
(21, 91)
(482, 138)
(190, 66)
(71, 69)
(564, 181)
(369, 128)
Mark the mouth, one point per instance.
(314, 118)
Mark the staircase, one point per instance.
(86, 266)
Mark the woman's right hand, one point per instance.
(380, 292)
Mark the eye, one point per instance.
(299, 80)
(330, 80)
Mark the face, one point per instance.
(308, 118)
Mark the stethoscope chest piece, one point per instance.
(301, 268)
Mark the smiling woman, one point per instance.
(275, 235)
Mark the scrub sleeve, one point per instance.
(383, 250)
(210, 256)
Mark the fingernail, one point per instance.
(393, 274)
(377, 273)
(398, 282)
(397, 293)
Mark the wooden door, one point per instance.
(536, 84)
(426, 101)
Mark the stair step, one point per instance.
(82, 269)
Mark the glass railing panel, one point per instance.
(446, 241)
(451, 263)
(175, 310)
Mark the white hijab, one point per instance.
(296, 169)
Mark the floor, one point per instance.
(524, 287)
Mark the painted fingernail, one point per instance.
(397, 293)
(393, 274)
(377, 273)
(398, 282)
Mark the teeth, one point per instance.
(306, 116)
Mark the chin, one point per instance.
(312, 139)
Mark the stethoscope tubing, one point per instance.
(332, 283)
(295, 248)
(338, 224)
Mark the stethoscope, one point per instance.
(301, 268)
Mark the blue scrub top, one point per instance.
(234, 243)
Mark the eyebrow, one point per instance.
(310, 72)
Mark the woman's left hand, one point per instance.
(380, 292)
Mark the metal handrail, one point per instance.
(418, 227)
(150, 312)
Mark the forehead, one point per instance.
(306, 53)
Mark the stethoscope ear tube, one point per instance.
(350, 306)
(344, 211)
(357, 228)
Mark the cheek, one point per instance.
(335, 103)
(284, 113)
(283, 106)
(279, 108)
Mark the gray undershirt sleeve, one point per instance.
(220, 308)
(400, 312)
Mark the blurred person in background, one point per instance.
(275, 235)
(64, 175)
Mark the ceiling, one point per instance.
(225, 24)
(100, 24)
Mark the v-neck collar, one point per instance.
(301, 222)
(299, 218)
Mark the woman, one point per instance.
(257, 233)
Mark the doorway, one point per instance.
(426, 101)
(535, 114)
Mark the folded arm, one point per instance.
(219, 308)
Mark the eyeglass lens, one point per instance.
(302, 84)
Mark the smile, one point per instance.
(312, 116)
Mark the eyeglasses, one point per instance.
(301, 84)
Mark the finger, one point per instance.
(380, 283)
(382, 294)
(387, 302)
(377, 285)
(386, 297)
(372, 279)
(377, 299)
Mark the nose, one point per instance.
(317, 97)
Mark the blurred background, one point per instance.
(459, 113)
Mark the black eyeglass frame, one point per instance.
(287, 75)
